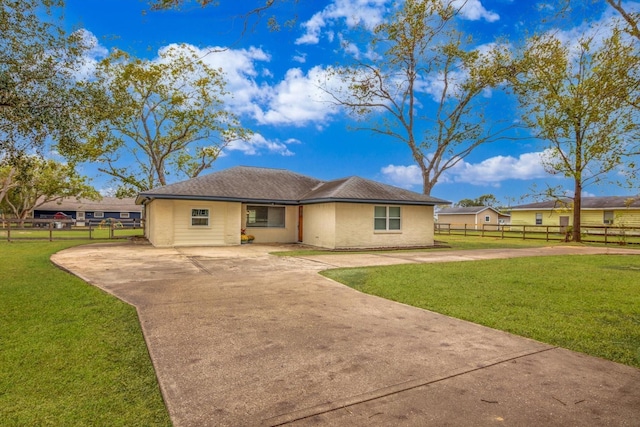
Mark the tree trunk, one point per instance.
(577, 208)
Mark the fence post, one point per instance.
(606, 229)
(51, 231)
(524, 228)
(9, 232)
(547, 233)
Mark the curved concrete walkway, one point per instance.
(239, 337)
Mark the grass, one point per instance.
(446, 242)
(82, 233)
(589, 304)
(71, 354)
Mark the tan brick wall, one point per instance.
(319, 225)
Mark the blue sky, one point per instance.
(273, 78)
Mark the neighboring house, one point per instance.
(471, 217)
(279, 206)
(84, 210)
(612, 210)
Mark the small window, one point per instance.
(538, 219)
(386, 218)
(98, 214)
(608, 217)
(265, 216)
(200, 217)
(125, 215)
(487, 218)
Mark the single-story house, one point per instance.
(473, 217)
(85, 210)
(610, 210)
(279, 206)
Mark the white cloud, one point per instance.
(258, 144)
(491, 171)
(300, 57)
(403, 176)
(92, 56)
(298, 100)
(241, 67)
(473, 10)
(496, 169)
(368, 13)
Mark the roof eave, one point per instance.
(369, 201)
(144, 198)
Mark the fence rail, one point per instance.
(589, 233)
(65, 229)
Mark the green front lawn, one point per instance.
(589, 304)
(70, 353)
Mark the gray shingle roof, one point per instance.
(609, 202)
(465, 210)
(363, 190)
(252, 184)
(106, 204)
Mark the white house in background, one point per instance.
(473, 217)
(279, 206)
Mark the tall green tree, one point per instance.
(575, 98)
(484, 200)
(39, 98)
(37, 181)
(423, 85)
(160, 118)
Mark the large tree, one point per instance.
(423, 85)
(162, 117)
(38, 65)
(38, 181)
(575, 97)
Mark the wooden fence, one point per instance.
(589, 233)
(65, 229)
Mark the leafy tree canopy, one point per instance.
(159, 118)
(38, 68)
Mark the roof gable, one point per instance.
(363, 190)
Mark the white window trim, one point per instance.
(609, 221)
(538, 214)
(98, 214)
(125, 215)
(387, 218)
(192, 217)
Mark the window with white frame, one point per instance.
(98, 214)
(199, 217)
(265, 216)
(538, 219)
(487, 218)
(608, 217)
(125, 215)
(386, 218)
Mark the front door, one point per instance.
(300, 228)
(564, 223)
(80, 219)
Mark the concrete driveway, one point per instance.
(239, 337)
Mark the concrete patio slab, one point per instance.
(239, 337)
